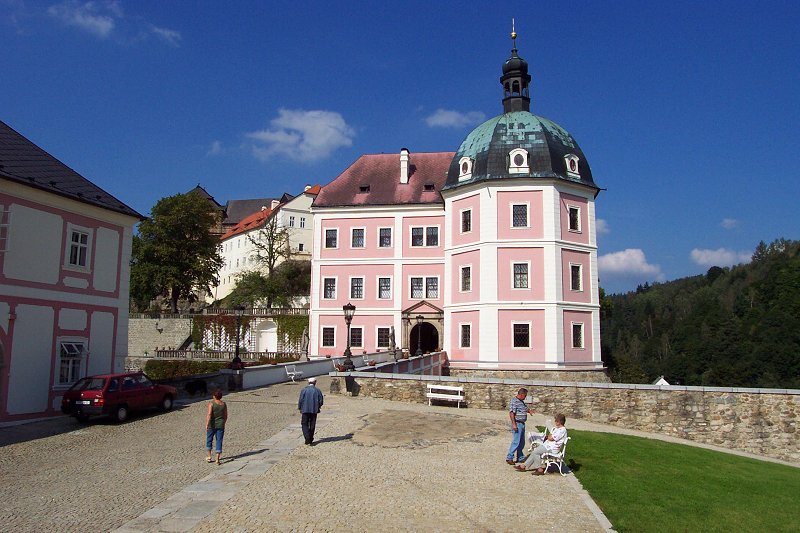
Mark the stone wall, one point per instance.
(146, 334)
(762, 421)
(582, 376)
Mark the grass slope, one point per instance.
(649, 485)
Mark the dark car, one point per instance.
(116, 395)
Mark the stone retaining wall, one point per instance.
(762, 421)
(582, 376)
(145, 334)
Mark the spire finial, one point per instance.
(513, 37)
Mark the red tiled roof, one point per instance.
(375, 180)
(250, 222)
(313, 190)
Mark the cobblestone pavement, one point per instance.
(378, 465)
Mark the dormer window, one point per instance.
(363, 188)
(464, 169)
(518, 161)
(430, 187)
(571, 161)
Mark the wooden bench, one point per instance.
(445, 392)
(292, 372)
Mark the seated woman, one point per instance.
(551, 444)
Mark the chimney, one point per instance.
(307, 187)
(404, 165)
(274, 204)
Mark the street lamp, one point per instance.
(238, 310)
(420, 318)
(349, 311)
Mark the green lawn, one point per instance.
(649, 485)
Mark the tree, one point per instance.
(174, 251)
(271, 243)
(251, 288)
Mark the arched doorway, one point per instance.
(424, 336)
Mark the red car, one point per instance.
(116, 395)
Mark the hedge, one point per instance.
(156, 369)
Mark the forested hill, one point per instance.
(737, 326)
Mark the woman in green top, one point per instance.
(216, 417)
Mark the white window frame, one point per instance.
(514, 277)
(580, 277)
(463, 174)
(569, 218)
(425, 236)
(461, 334)
(334, 287)
(291, 221)
(363, 237)
(325, 238)
(572, 173)
(461, 278)
(72, 229)
(411, 287)
(581, 345)
(527, 215)
(302, 222)
(513, 168)
(75, 372)
(361, 329)
(530, 335)
(363, 288)
(378, 285)
(438, 288)
(322, 337)
(378, 337)
(461, 226)
(380, 244)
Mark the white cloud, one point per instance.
(719, 257)
(729, 223)
(215, 149)
(97, 19)
(302, 135)
(444, 118)
(169, 36)
(628, 262)
(602, 226)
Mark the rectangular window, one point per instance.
(577, 335)
(329, 291)
(520, 275)
(466, 335)
(417, 236)
(431, 288)
(331, 238)
(78, 248)
(466, 279)
(432, 236)
(522, 336)
(574, 218)
(358, 238)
(328, 337)
(384, 288)
(384, 336)
(291, 221)
(70, 356)
(466, 221)
(302, 222)
(575, 278)
(385, 240)
(417, 288)
(357, 288)
(357, 337)
(520, 215)
(300, 247)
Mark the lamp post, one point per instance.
(420, 318)
(349, 311)
(239, 312)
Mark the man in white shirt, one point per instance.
(552, 443)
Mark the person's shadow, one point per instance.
(338, 438)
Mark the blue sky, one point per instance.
(686, 111)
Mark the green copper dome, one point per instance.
(547, 145)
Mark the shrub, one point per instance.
(175, 369)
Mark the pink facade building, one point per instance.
(488, 253)
(65, 247)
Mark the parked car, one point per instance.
(116, 395)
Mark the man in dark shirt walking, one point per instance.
(518, 413)
(309, 405)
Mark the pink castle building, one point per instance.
(488, 253)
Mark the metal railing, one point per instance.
(209, 355)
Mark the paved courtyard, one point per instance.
(378, 465)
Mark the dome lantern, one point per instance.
(515, 80)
